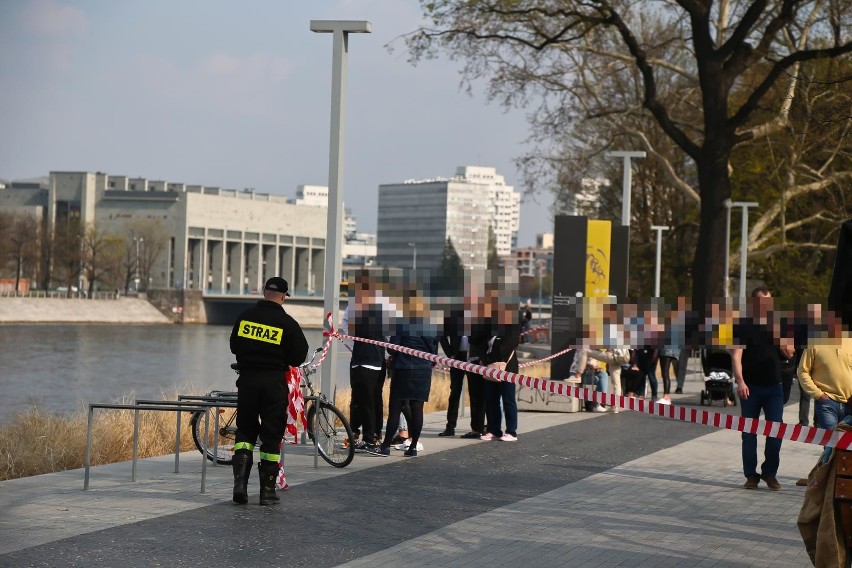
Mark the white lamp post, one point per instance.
(414, 263)
(334, 232)
(626, 184)
(627, 181)
(744, 244)
(137, 240)
(659, 230)
(726, 282)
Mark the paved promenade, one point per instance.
(576, 490)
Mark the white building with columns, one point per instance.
(219, 240)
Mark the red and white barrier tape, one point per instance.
(796, 433)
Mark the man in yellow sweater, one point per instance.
(825, 373)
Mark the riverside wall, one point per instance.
(79, 310)
(159, 307)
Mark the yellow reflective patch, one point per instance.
(260, 332)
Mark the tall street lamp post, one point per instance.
(340, 30)
(627, 182)
(659, 230)
(137, 240)
(726, 282)
(414, 260)
(744, 243)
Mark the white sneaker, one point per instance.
(487, 437)
(407, 444)
(599, 408)
(663, 401)
(508, 438)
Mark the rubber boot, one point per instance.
(268, 471)
(242, 471)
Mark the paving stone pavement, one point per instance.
(576, 490)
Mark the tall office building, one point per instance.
(416, 217)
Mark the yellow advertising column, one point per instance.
(598, 252)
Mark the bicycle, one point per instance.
(334, 442)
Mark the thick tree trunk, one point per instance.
(708, 266)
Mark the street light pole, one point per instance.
(726, 282)
(414, 264)
(659, 230)
(626, 184)
(334, 231)
(627, 181)
(744, 242)
(136, 278)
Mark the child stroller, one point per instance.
(718, 377)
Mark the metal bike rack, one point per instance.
(159, 406)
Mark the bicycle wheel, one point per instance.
(334, 435)
(227, 434)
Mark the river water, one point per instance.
(61, 368)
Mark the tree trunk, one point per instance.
(708, 266)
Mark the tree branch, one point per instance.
(779, 67)
(651, 101)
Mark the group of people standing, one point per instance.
(481, 328)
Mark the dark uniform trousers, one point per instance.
(475, 392)
(262, 392)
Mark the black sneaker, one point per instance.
(377, 450)
(410, 453)
(678, 390)
(447, 433)
(361, 446)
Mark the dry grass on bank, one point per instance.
(35, 442)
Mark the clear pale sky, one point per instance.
(237, 94)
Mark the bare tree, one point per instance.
(68, 253)
(24, 244)
(704, 71)
(101, 257)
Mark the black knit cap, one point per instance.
(277, 284)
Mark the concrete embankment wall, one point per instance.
(73, 310)
(130, 310)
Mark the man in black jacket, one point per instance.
(455, 344)
(267, 342)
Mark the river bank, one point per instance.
(79, 310)
(117, 311)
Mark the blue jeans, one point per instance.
(829, 413)
(600, 380)
(771, 401)
(651, 377)
(495, 392)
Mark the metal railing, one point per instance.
(179, 407)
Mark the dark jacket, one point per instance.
(404, 361)
(452, 334)
(266, 337)
(368, 325)
(504, 346)
(645, 359)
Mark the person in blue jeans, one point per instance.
(757, 372)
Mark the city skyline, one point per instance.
(239, 97)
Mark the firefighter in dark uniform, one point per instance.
(267, 342)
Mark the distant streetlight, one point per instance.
(626, 184)
(542, 269)
(340, 30)
(659, 230)
(726, 279)
(137, 240)
(744, 242)
(414, 267)
(627, 181)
